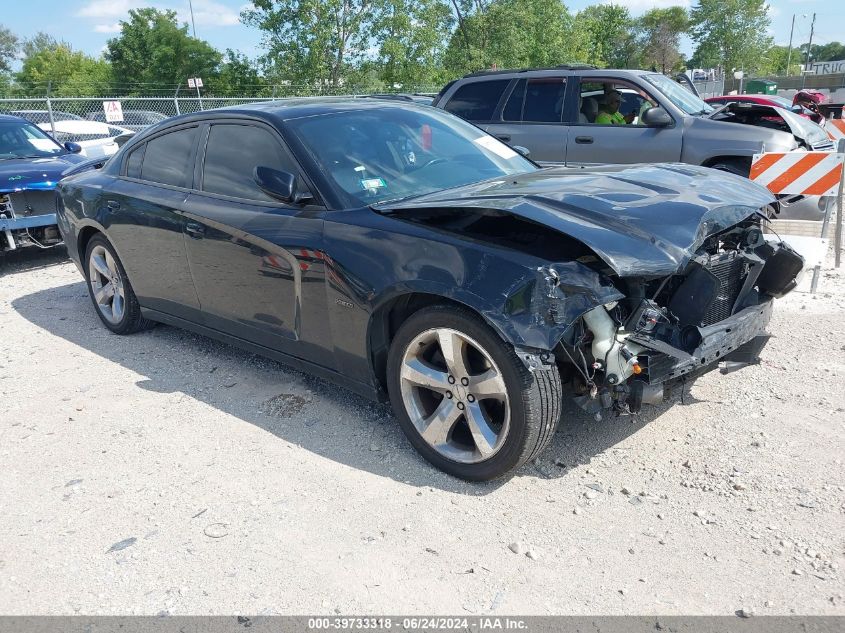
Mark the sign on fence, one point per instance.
(195, 82)
(114, 111)
(805, 173)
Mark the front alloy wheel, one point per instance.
(464, 399)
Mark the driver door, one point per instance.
(253, 258)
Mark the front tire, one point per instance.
(110, 290)
(464, 399)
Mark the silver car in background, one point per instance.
(552, 112)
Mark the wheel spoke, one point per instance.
(487, 385)
(452, 346)
(103, 293)
(117, 307)
(437, 426)
(421, 374)
(101, 265)
(484, 436)
(110, 263)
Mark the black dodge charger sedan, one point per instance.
(404, 253)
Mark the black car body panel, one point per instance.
(321, 284)
(641, 220)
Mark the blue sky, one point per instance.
(88, 24)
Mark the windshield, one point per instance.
(678, 95)
(392, 152)
(24, 140)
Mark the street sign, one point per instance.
(195, 82)
(113, 111)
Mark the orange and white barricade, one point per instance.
(835, 129)
(808, 174)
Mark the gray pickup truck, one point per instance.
(552, 113)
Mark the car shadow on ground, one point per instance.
(300, 409)
(25, 259)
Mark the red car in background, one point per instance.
(769, 100)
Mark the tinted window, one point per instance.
(232, 154)
(513, 108)
(478, 100)
(133, 163)
(168, 158)
(544, 100)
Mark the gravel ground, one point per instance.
(167, 473)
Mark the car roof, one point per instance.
(569, 69)
(298, 107)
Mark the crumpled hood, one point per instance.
(17, 174)
(642, 220)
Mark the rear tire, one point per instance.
(109, 288)
(464, 399)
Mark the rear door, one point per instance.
(143, 214)
(255, 260)
(594, 144)
(532, 117)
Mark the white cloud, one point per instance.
(773, 10)
(206, 12)
(107, 8)
(107, 28)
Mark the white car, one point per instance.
(96, 139)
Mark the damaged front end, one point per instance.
(712, 312)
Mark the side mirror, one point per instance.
(73, 148)
(656, 117)
(522, 150)
(278, 184)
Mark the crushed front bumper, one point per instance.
(743, 331)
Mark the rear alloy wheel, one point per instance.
(110, 290)
(464, 399)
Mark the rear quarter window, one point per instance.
(477, 101)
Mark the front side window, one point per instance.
(231, 156)
(612, 102)
(169, 158)
(477, 101)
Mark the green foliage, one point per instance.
(660, 37)
(513, 34)
(65, 71)
(831, 51)
(312, 41)
(238, 75)
(9, 45)
(730, 33)
(153, 48)
(610, 36)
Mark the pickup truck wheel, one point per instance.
(110, 290)
(464, 399)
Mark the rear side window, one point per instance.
(133, 163)
(536, 101)
(168, 158)
(232, 154)
(477, 101)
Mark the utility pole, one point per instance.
(194, 26)
(809, 48)
(789, 53)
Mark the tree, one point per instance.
(730, 33)
(610, 36)
(661, 31)
(411, 36)
(9, 45)
(238, 75)
(41, 41)
(513, 34)
(312, 41)
(154, 49)
(831, 51)
(65, 71)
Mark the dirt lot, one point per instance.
(165, 472)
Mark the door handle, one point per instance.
(504, 137)
(583, 140)
(114, 205)
(195, 230)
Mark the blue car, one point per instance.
(31, 163)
